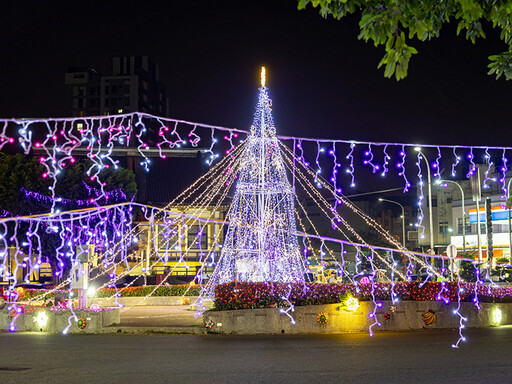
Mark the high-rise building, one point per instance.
(83, 88)
(132, 85)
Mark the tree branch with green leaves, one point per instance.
(394, 23)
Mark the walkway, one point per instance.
(161, 319)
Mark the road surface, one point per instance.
(388, 357)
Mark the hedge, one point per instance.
(242, 295)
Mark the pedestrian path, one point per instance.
(160, 319)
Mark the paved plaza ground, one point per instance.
(159, 316)
(390, 357)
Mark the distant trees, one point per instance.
(23, 191)
(20, 174)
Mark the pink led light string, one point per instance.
(101, 135)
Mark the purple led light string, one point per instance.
(472, 167)
(420, 198)
(456, 162)
(334, 177)
(358, 273)
(436, 165)
(369, 160)
(341, 271)
(229, 139)
(462, 319)
(142, 145)
(116, 195)
(213, 155)
(503, 169)
(478, 282)
(373, 314)
(351, 168)
(401, 167)
(194, 138)
(441, 294)
(385, 168)
(487, 159)
(319, 169)
(429, 274)
(411, 268)
(300, 157)
(305, 251)
(394, 296)
(291, 307)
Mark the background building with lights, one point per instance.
(131, 85)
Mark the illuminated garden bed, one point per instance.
(237, 295)
(172, 290)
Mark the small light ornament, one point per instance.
(263, 76)
(429, 317)
(322, 318)
(41, 319)
(81, 323)
(348, 303)
(497, 316)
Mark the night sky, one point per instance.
(323, 80)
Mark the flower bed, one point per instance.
(237, 295)
(173, 290)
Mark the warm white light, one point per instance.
(352, 304)
(417, 149)
(41, 319)
(263, 76)
(497, 316)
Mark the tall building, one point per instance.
(131, 85)
(83, 91)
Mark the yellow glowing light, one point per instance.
(351, 304)
(263, 76)
(497, 316)
(41, 319)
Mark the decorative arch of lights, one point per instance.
(269, 235)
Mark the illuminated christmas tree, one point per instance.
(261, 242)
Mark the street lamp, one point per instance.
(439, 182)
(418, 149)
(403, 216)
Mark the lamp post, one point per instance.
(418, 149)
(403, 217)
(440, 182)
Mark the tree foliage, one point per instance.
(18, 172)
(393, 23)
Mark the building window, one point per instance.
(197, 238)
(168, 238)
(459, 226)
(443, 227)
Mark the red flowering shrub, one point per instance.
(242, 295)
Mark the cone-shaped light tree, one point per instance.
(261, 242)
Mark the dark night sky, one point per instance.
(323, 81)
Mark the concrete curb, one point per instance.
(155, 330)
(403, 316)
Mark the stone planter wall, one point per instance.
(57, 321)
(406, 316)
